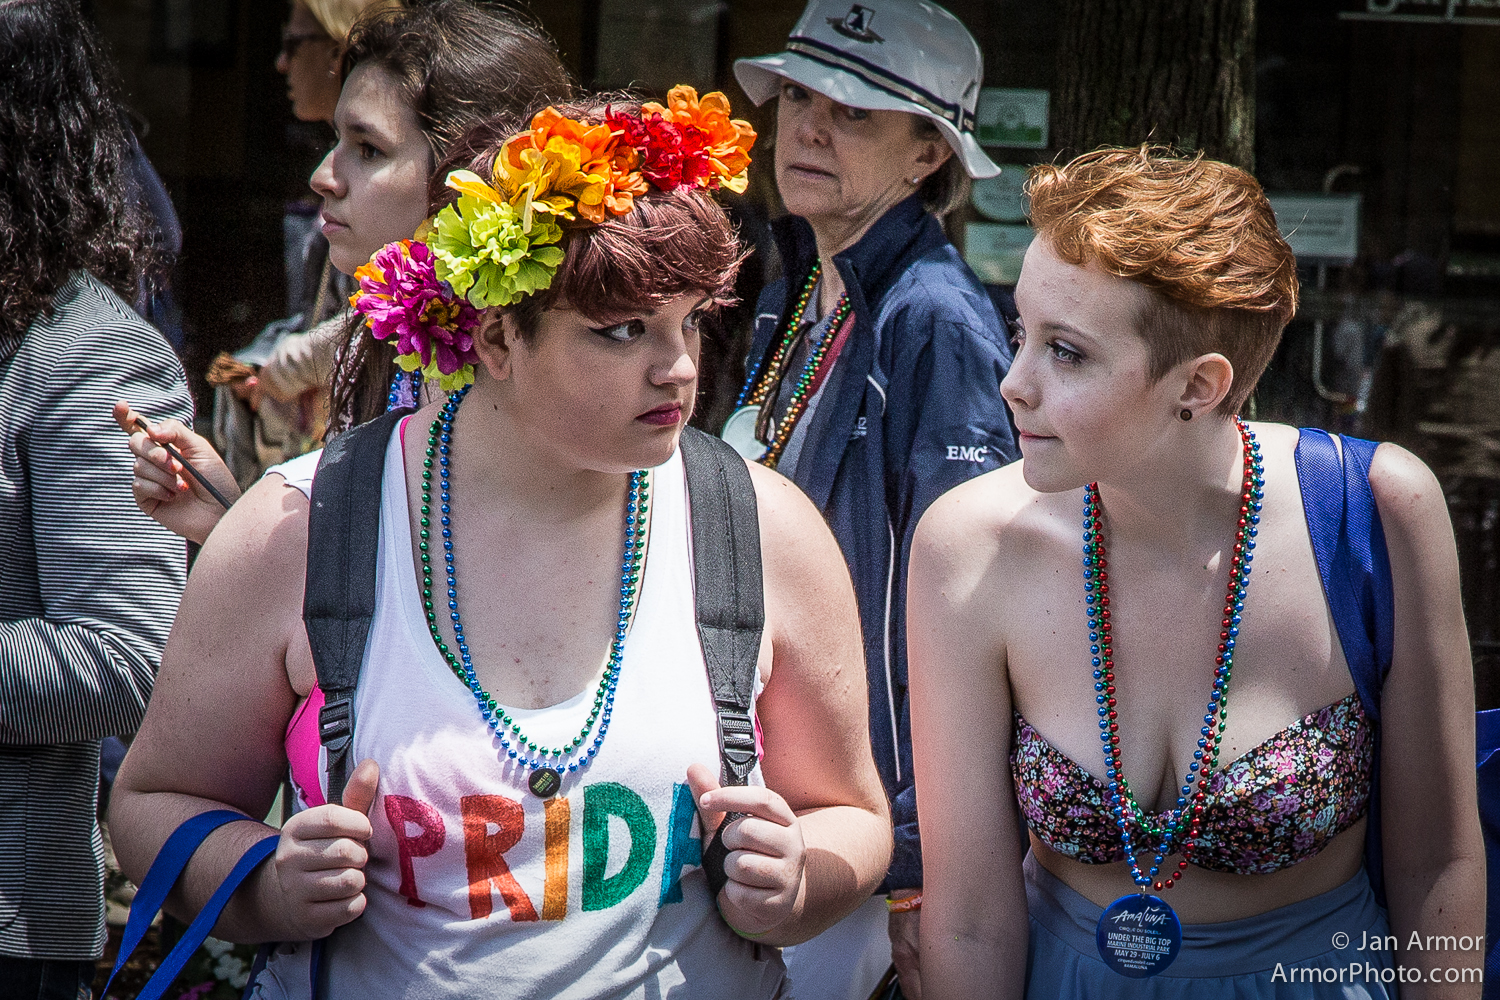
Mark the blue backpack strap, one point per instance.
(1349, 547)
(163, 874)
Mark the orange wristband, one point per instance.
(906, 905)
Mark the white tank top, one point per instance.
(476, 887)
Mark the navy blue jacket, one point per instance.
(911, 409)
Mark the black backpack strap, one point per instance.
(731, 606)
(338, 602)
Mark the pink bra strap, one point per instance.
(303, 746)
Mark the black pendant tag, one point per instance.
(544, 782)
(1138, 935)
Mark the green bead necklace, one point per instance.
(545, 763)
(761, 393)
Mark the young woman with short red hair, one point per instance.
(1075, 648)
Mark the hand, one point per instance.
(248, 389)
(903, 931)
(162, 489)
(766, 859)
(318, 868)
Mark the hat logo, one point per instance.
(856, 25)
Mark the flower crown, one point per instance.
(498, 243)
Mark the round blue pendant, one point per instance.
(1138, 935)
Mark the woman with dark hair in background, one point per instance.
(88, 586)
(874, 373)
(414, 81)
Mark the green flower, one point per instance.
(431, 373)
(486, 255)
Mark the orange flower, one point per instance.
(561, 165)
(727, 141)
(625, 180)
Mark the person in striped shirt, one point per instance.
(88, 585)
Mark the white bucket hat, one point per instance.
(891, 55)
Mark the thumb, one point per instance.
(359, 793)
(123, 417)
(701, 780)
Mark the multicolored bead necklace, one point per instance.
(758, 393)
(1189, 808)
(397, 396)
(545, 763)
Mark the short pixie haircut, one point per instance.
(1198, 233)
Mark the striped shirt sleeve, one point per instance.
(81, 638)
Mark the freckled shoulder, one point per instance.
(990, 516)
(1407, 494)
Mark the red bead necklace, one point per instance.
(1189, 810)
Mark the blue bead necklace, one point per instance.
(397, 396)
(545, 763)
(1139, 934)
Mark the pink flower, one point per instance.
(401, 297)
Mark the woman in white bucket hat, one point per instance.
(874, 372)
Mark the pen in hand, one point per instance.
(202, 481)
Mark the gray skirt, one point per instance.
(1287, 953)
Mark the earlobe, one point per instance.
(1209, 380)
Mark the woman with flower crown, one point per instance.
(557, 300)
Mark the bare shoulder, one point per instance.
(267, 526)
(1407, 494)
(809, 595)
(989, 519)
(790, 526)
(249, 576)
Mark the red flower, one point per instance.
(697, 164)
(689, 142)
(659, 143)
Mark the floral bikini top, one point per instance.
(1280, 803)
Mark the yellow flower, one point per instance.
(483, 250)
(558, 166)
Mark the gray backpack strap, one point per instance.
(731, 606)
(338, 602)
